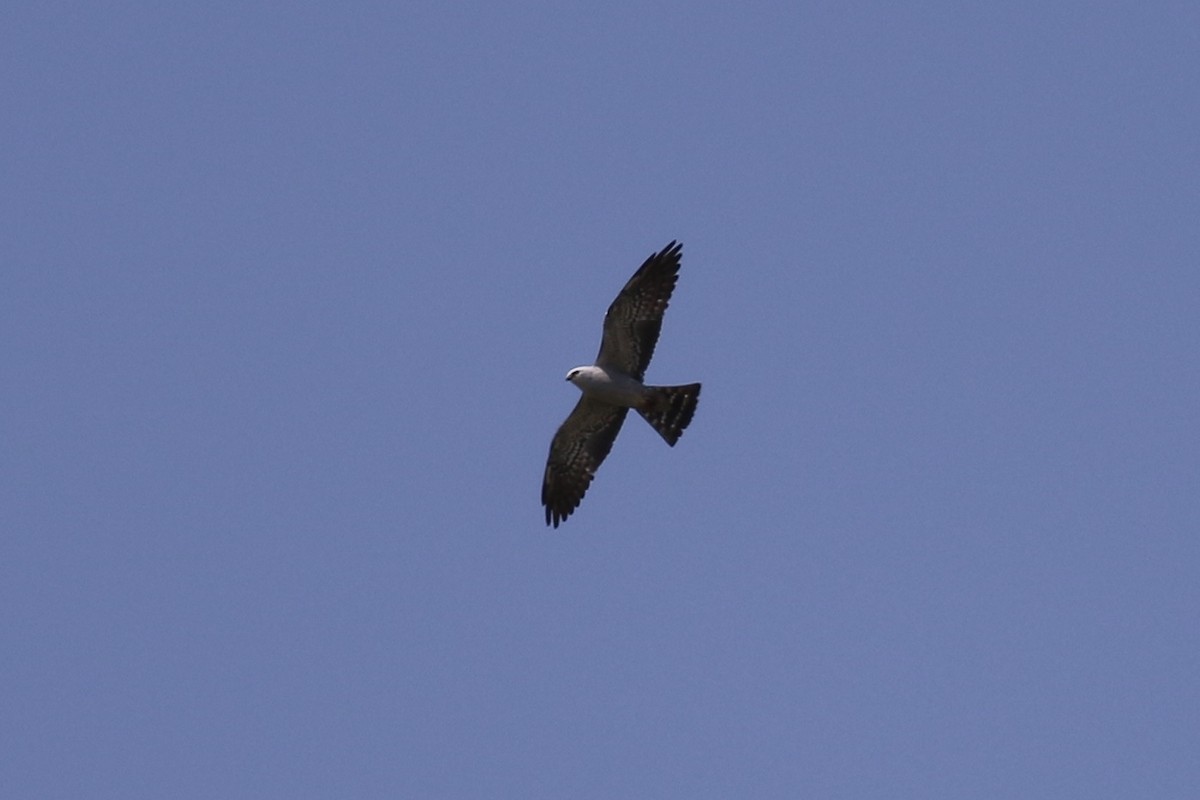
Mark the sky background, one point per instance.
(287, 295)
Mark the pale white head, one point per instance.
(589, 377)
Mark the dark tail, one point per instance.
(670, 408)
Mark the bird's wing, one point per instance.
(634, 319)
(578, 449)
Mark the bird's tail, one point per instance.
(669, 409)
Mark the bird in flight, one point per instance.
(613, 385)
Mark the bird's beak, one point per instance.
(568, 377)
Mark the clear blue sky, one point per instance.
(287, 295)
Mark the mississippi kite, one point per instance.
(613, 385)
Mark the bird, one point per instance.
(614, 384)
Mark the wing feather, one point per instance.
(634, 319)
(577, 451)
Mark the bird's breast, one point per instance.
(611, 387)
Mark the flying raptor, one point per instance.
(613, 385)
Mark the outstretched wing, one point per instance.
(578, 449)
(634, 319)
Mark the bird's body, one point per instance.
(614, 384)
(609, 385)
